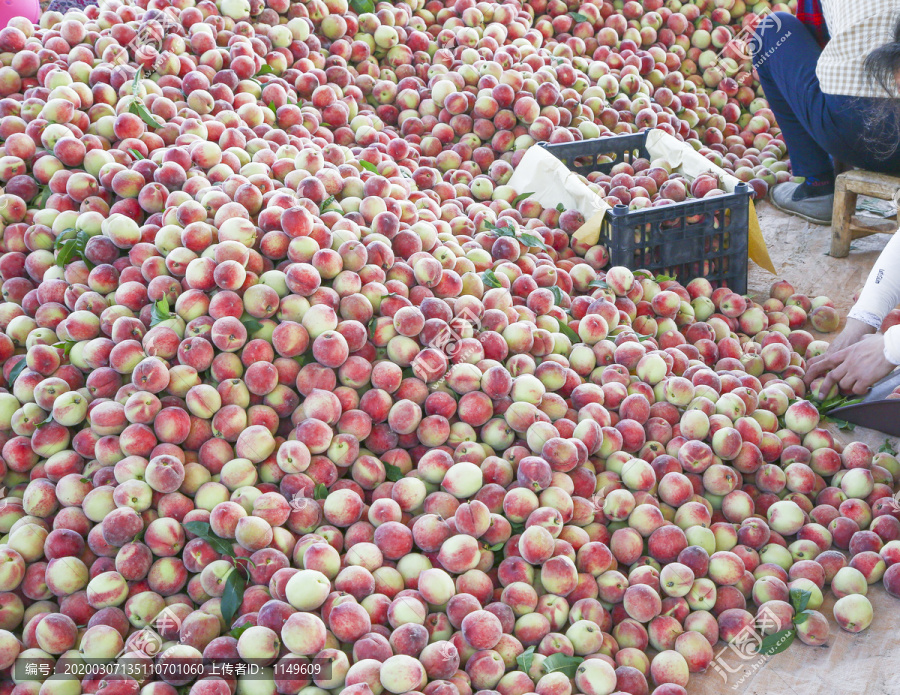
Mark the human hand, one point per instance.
(854, 369)
(853, 332)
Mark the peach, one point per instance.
(121, 525)
(107, 589)
(481, 629)
(813, 631)
(56, 633)
(642, 603)
(696, 650)
(255, 443)
(9, 648)
(198, 629)
(595, 677)
(101, 642)
(891, 580)
(253, 533)
(459, 554)
(853, 613)
(349, 621)
(164, 473)
(785, 517)
(259, 645)
(304, 634)
(307, 589)
(65, 576)
(401, 673)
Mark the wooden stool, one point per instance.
(847, 187)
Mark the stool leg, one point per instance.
(844, 206)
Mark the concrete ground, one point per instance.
(850, 664)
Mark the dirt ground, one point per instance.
(863, 664)
(799, 251)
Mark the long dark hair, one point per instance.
(883, 64)
(882, 68)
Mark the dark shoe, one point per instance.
(817, 209)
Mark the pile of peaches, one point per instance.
(292, 378)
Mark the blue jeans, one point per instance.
(817, 127)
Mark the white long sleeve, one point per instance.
(882, 290)
(892, 345)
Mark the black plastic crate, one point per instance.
(706, 237)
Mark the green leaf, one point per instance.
(533, 241)
(198, 528)
(138, 108)
(134, 153)
(160, 312)
(665, 278)
(489, 278)
(522, 196)
(886, 448)
(17, 369)
(320, 492)
(266, 69)
(233, 595)
(66, 251)
(64, 236)
(252, 325)
(238, 631)
(368, 166)
(835, 403)
(557, 295)
(599, 283)
(81, 240)
(45, 422)
(363, 6)
(560, 207)
(777, 643)
(802, 617)
(842, 424)
(43, 195)
(202, 530)
(569, 333)
(495, 548)
(273, 107)
(501, 230)
(525, 658)
(393, 473)
(799, 599)
(222, 546)
(65, 346)
(560, 662)
(578, 17)
(325, 203)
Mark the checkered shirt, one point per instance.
(856, 27)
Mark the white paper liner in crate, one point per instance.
(552, 184)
